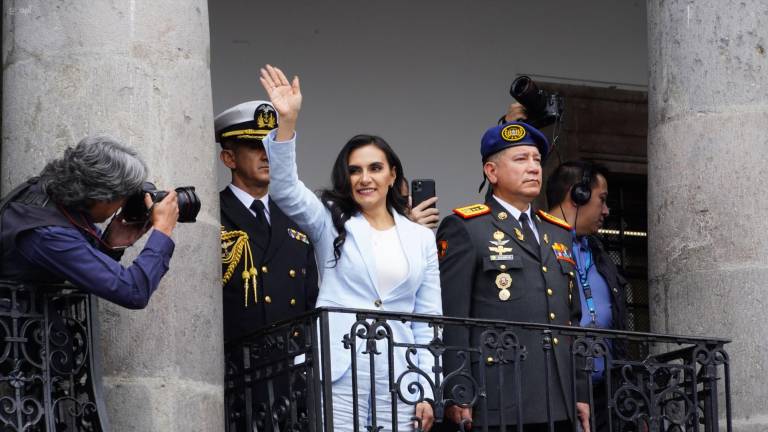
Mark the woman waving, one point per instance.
(369, 255)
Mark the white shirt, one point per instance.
(515, 213)
(248, 200)
(391, 265)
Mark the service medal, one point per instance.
(503, 281)
(504, 295)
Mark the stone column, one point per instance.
(140, 71)
(707, 177)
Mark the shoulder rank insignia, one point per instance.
(554, 220)
(235, 247)
(298, 235)
(471, 211)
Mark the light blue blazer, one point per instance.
(352, 282)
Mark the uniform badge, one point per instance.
(443, 248)
(297, 235)
(503, 281)
(502, 215)
(562, 253)
(546, 238)
(519, 234)
(499, 248)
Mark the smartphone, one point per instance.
(422, 190)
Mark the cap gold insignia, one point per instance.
(519, 234)
(266, 118)
(504, 295)
(502, 215)
(503, 281)
(513, 133)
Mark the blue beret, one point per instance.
(512, 134)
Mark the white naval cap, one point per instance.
(250, 120)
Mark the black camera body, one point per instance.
(543, 108)
(135, 211)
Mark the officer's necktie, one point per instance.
(528, 233)
(258, 207)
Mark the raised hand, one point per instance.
(285, 96)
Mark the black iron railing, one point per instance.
(49, 374)
(651, 382)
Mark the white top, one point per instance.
(515, 213)
(391, 265)
(247, 200)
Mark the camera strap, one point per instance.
(86, 228)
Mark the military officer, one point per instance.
(502, 260)
(268, 264)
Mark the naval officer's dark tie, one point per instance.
(258, 207)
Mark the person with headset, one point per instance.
(577, 193)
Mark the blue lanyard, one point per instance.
(583, 265)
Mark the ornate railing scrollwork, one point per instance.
(675, 389)
(49, 372)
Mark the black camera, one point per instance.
(135, 211)
(542, 108)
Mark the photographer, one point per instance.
(48, 232)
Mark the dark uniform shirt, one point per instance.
(489, 271)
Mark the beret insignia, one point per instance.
(513, 133)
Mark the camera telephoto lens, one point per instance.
(135, 211)
(189, 203)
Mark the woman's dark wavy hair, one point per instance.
(339, 199)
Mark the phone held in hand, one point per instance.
(422, 190)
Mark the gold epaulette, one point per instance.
(235, 247)
(471, 211)
(554, 220)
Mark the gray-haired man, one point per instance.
(48, 232)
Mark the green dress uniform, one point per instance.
(272, 277)
(488, 270)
